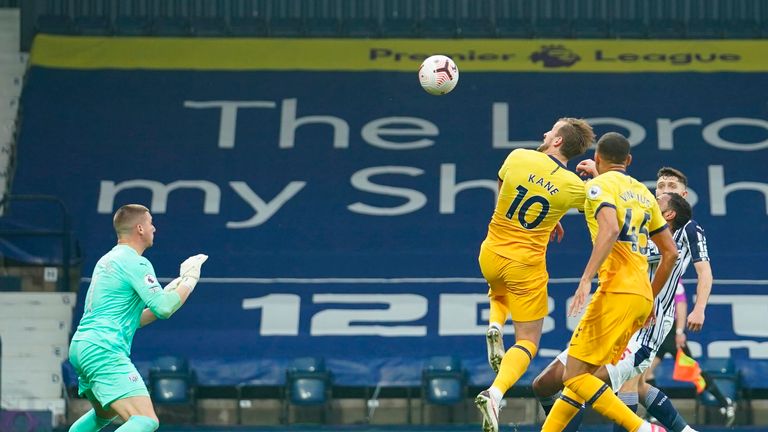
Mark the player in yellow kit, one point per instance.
(622, 215)
(535, 191)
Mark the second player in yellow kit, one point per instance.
(535, 191)
(622, 215)
(624, 271)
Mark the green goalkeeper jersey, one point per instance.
(122, 285)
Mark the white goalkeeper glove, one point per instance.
(190, 270)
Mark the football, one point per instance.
(438, 75)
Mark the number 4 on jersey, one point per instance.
(629, 233)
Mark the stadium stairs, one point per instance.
(35, 328)
(12, 66)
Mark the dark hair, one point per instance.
(672, 172)
(682, 209)
(126, 217)
(577, 136)
(613, 147)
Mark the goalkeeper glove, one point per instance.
(190, 270)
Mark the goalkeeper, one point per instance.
(123, 295)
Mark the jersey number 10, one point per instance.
(521, 215)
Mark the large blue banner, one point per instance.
(343, 211)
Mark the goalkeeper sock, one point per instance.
(90, 422)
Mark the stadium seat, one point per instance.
(323, 27)
(248, 27)
(93, 18)
(514, 28)
(55, 24)
(554, 28)
(628, 29)
(287, 27)
(399, 28)
(590, 29)
(728, 380)
(438, 28)
(475, 28)
(740, 29)
(172, 26)
(172, 385)
(307, 383)
(666, 29)
(704, 29)
(360, 27)
(208, 26)
(443, 382)
(10, 283)
(130, 25)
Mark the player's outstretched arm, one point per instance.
(607, 233)
(703, 288)
(668, 249)
(166, 303)
(147, 316)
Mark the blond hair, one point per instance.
(577, 136)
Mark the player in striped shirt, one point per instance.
(673, 180)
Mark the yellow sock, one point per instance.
(565, 408)
(601, 397)
(515, 363)
(499, 309)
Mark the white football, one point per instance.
(438, 75)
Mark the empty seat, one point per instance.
(475, 28)
(443, 382)
(247, 26)
(173, 387)
(704, 29)
(519, 28)
(171, 26)
(208, 26)
(438, 28)
(399, 28)
(555, 28)
(55, 24)
(323, 27)
(591, 29)
(360, 27)
(286, 27)
(628, 29)
(666, 29)
(307, 383)
(740, 29)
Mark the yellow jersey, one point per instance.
(639, 217)
(535, 193)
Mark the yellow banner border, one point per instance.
(399, 55)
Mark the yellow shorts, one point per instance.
(525, 286)
(607, 325)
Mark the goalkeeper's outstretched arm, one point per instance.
(176, 293)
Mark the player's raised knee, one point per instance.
(144, 423)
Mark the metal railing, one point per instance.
(64, 232)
